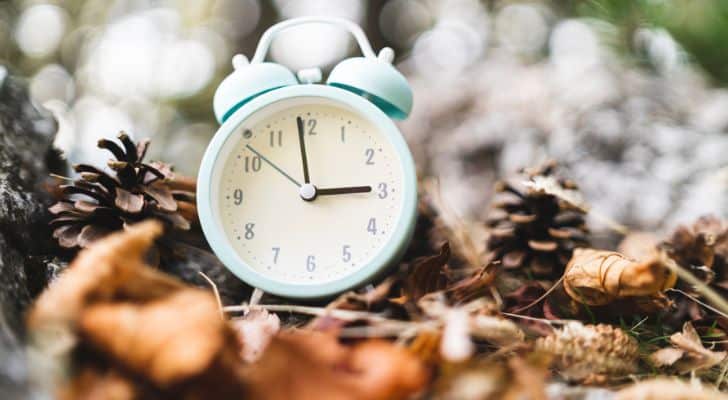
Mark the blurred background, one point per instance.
(627, 94)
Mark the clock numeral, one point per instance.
(383, 192)
(346, 253)
(369, 154)
(249, 233)
(311, 124)
(238, 197)
(276, 138)
(343, 134)
(372, 226)
(252, 163)
(310, 263)
(276, 251)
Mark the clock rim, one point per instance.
(388, 255)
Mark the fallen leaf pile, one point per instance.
(516, 306)
(136, 333)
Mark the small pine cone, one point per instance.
(100, 202)
(702, 248)
(535, 230)
(588, 352)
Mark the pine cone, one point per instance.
(590, 352)
(702, 248)
(533, 229)
(100, 202)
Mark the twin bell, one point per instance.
(371, 76)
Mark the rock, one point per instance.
(186, 262)
(26, 138)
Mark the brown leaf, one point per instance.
(688, 353)
(598, 277)
(151, 329)
(313, 365)
(93, 383)
(156, 339)
(427, 275)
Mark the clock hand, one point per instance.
(302, 145)
(343, 190)
(262, 157)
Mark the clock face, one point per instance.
(307, 190)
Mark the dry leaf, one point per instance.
(255, 330)
(155, 339)
(153, 331)
(427, 275)
(598, 277)
(95, 382)
(314, 365)
(688, 353)
(668, 389)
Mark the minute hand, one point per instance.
(343, 190)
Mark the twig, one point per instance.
(721, 377)
(695, 299)
(389, 329)
(255, 297)
(546, 321)
(637, 325)
(462, 231)
(543, 296)
(610, 223)
(216, 292)
(317, 311)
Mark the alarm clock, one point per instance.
(309, 189)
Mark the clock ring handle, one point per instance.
(366, 48)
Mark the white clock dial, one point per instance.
(307, 233)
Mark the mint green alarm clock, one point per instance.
(309, 189)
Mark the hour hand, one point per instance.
(343, 190)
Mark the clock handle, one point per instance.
(366, 48)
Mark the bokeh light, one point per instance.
(498, 85)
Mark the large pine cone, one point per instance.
(588, 352)
(99, 202)
(534, 226)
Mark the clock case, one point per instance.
(370, 85)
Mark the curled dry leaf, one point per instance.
(668, 389)
(314, 365)
(255, 330)
(598, 277)
(688, 353)
(150, 330)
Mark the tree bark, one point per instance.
(26, 138)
